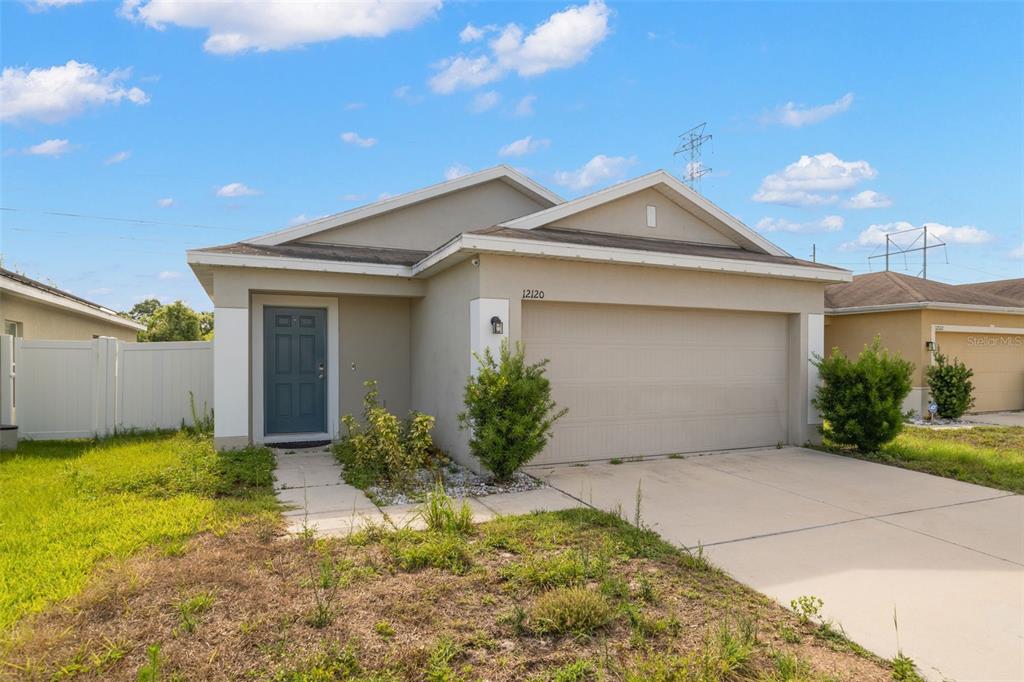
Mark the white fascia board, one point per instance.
(282, 263)
(932, 305)
(660, 177)
(25, 291)
(530, 247)
(505, 173)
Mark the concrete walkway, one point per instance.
(996, 418)
(309, 483)
(869, 539)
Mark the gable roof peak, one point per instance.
(501, 172)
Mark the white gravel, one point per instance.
(938, 421)
(459, 482)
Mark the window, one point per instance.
(652, 216)
(13, 328)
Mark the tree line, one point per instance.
(171, 322)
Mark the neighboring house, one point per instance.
(982, 324)
(670, 326)
(33, 310)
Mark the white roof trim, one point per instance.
(47, 298)
(746, 235)
(529, 247)
(505, 173)
(919, 305)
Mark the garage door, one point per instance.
(653, 381)
(998, 364)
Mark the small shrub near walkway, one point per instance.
(66, 506)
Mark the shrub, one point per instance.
(950, 386)
(509, 410)
(861, 401)
(571, 610)
(383, 448)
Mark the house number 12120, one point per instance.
(533, 293)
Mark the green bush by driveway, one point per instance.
(68, 505)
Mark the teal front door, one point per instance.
(295, 372)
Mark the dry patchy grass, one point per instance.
(511, 603)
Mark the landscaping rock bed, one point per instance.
(459, 482)
(917, 420)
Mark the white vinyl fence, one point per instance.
(75, 389)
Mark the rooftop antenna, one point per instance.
(893, 248)
(690, 143)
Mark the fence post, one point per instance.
(104, 398)
(7, 414)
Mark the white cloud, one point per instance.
(525, 145)
(795, 115)
(868, 199)
(484, 101)
(801, 182)
(405, 93)
(830, 223)
(303, 218)
(236, 189)
(49, 148)
(1018, 252)
(166, 202)
(354, 106)
(117, 158)
(525, 106)
(875, 235)
(472, 33)
(599, 169)
(564, 40)
(59, 92)
(169, 274)
(456, 170)
(355, 139)
(235, 27)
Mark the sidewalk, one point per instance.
(310, 485)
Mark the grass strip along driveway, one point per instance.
(66, 506)
(986, 455)
(572, 595)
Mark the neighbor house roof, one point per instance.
(503, 173)
(1007, 288)
(879, 291)
(26, 287)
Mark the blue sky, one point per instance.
(832, 123)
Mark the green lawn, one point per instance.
(987, 455)
(66, 506)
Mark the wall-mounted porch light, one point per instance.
(930, 345)
(496, 326)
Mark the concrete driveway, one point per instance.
(996, 418)
(866, 538)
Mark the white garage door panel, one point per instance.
(647, 381)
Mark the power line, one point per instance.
(33, 230)
(135, 221)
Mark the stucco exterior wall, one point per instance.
(41, 321)
(628, 215)
(441, 353)
(428, 225)
(900, 332)
(375, 344)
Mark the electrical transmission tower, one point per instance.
(913, 246)
(690, 143)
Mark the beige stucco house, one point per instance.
(981, 324)
(669, 325)
(33, 310)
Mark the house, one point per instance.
(669, 325)
(981, 324)
(33, 310)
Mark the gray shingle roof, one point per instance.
(893, 288)
(321, 251)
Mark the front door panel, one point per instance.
(295, 371)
